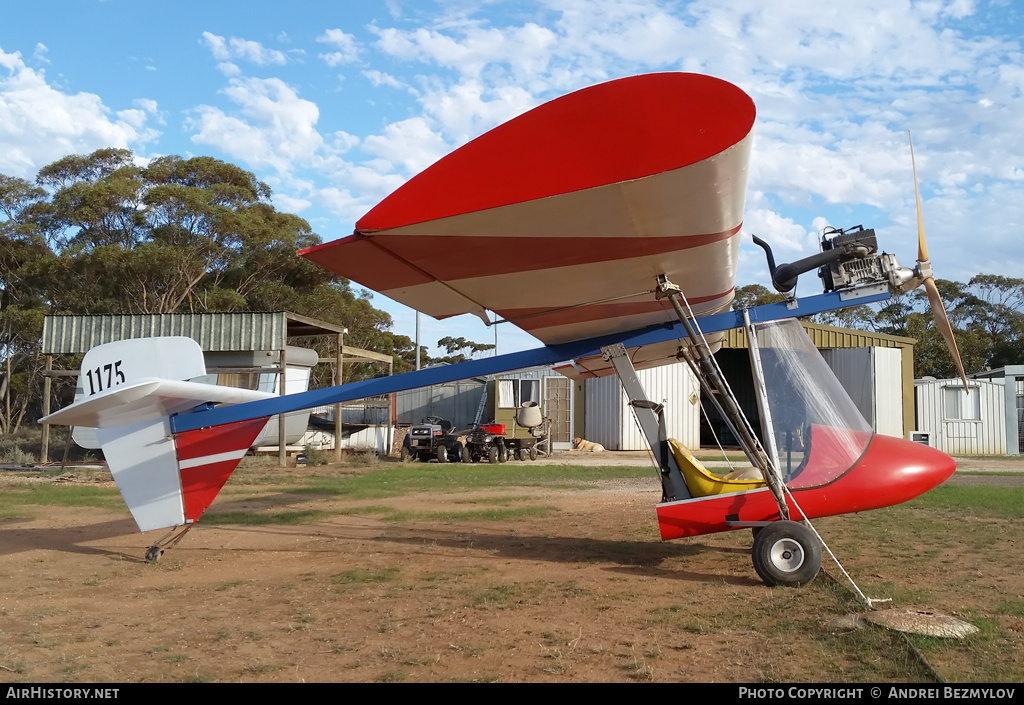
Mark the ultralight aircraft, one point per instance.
(607, 224)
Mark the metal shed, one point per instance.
(1012, 379)
(459, 402)
(875, 369)
(880, 383)
(455, 401)
(962, 424)
(609, 418)
(555, 393)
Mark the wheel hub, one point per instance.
(787, 555)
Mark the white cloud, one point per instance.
(347, 50)
(410, 144)
(244, 49)
(280, 132)
(379, 78)
(39, 124)
(290, 204)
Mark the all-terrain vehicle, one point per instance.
(486, 442)
(432, 440)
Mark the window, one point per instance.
(513, 393)
(958, 406)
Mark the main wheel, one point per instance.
(442, 454)
(153, 554)
(786, 553)
(492, 455)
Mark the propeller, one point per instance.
(924, 271)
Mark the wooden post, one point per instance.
(282, 452)
(338, 369)
(392, 414)
(44, 452)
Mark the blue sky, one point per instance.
(336, 104)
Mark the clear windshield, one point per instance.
(819, 433)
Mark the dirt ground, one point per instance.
(582, 591)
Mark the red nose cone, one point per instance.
(894, 470)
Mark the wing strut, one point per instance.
(704, 367)
(651, 418)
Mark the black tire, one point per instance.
(492, 455)
(442, 454)
(467, 454)
(533, 452)
(786, 553)
(502, 454)
(405, 455)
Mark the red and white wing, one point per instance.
(561, 219)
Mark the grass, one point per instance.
(395, 481)
(1002, 502)
(959, 533)
(366, 575)
(65, 495)
(249, 518)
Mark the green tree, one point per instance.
(99, 233)
(459, 350)
(754, 295)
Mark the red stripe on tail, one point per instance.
(206, 459)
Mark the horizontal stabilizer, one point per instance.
(146, 399)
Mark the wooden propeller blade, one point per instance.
(922, 246)
(942, 322)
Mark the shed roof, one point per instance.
(830, 337)
(215, 332)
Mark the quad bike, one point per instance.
(486, 441)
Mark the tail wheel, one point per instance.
(786, 553)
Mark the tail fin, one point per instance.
(170, 481)
(130, 390)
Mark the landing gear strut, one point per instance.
(169, 540)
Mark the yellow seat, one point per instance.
(700, 481)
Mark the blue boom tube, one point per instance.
(549, 355)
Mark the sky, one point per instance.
(336, 104)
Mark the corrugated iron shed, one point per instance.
(831, 337)
(215, 332)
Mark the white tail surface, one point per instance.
(109, 366)
(130, 388)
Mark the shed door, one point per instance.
(558, 407)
